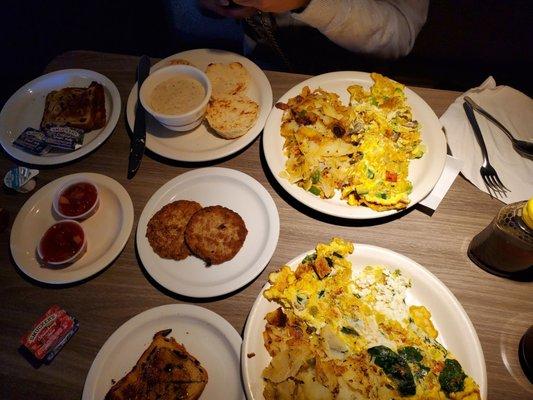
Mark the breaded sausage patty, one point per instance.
(166, 228)
(215, 234)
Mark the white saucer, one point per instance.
(207, 336)
(107, 230)
(423, 172)
(25, 109)
(214, 186)
(201, 143)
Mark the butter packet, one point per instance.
(64, 137)
(32, 141)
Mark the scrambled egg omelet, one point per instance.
(339, 337)
(362, 149)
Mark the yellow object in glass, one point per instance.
(527, 213)
(505, 247)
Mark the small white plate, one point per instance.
(107, 230)
(207, 336)
(214, 186)
(423, 172)
(25, 109)
(201, 143)
(456, 331)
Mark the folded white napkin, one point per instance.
(512, 109)
(451, 170)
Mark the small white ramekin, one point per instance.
(177, 122)
(70, 260)
(80, 217)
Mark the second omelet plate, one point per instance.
(455, 330)
(423, 172)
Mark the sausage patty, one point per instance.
(165, 230)
(215, 234)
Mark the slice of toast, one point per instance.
(82, 108)
(165, 371)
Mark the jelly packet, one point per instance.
(64, 137)
(49, 334)
(21, 179)
(32, 141)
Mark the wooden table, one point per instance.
(102, 304)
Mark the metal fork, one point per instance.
(487, 171)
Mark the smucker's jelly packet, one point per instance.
(64, 137)
(49, 334)
(21, 179)
(32, 141)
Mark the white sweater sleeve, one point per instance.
(385, 28)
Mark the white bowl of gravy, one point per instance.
(176, 96)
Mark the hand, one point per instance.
(221, 7)
(275, 6)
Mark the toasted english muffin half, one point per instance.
(180, 61)
(227, 79)
(232, 116)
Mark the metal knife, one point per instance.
(138, 138)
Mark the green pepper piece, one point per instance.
(315, 176)
(309, 258)
(349, 331)
(315, 190)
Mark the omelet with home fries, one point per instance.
(361, 150)
(339, 336)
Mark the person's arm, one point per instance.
(385, 28)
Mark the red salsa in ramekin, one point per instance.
(78, 200)
(64, 242)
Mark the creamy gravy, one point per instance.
(177, 95)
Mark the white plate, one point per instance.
(423, 173)
(107, 230)
(214, 186)
(25, 109)
(206, 335)
(201, 144)
(456, 331)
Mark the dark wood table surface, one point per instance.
(438, 242)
